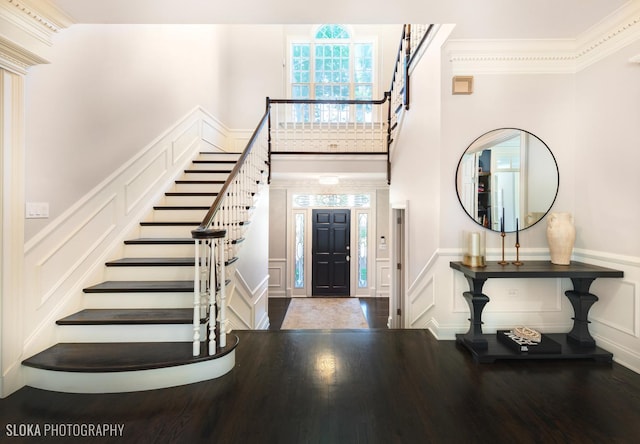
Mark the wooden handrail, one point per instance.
(232, 176)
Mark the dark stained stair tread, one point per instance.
(159, 241)
(200, 181)
(141, 287)
(181, 207)
(129, 316)
(188, 193)
(152, 262)
(168, 224)
(122, 356)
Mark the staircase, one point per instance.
(137, 330)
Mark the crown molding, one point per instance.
(17, 59)
(39, 19)
(616, 31)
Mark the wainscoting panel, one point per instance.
(213, 134)
(383, 278)
(247, 306)
(617, 306)
(54, 270)
(147, 179)
(277, 278)
(185, 141)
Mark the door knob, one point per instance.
(348, 258)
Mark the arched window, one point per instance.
(332, 65)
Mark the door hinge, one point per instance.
(399, 312)
(399, 221)
(399, 266)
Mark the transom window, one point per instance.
(332, 65)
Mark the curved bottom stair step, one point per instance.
(125, 367)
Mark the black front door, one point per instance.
(330, 252)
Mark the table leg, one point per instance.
(476, 301)
(581, 300)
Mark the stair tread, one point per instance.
(214, 161)
(122, 356)
(187, 181)
(151, 261)
(160, 241)
(203, 171)
(168, 223)
(141, 287)
(190, 193)
(100, 316)
(181, 207)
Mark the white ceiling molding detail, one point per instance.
(16, 59)
(547, 56)
(40, 19)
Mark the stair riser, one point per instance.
(177, 215)
(197, 187)
(204, 201)
(141, 273)
(138, 300)
(128, 333)
(226, 167)
(205, 176)
(218, 156)
(161, 250)
(167, 231)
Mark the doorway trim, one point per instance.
(399, 232)
(355, 291)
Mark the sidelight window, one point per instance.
(363, 233)
(298, 279)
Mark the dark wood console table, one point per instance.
(578, 343)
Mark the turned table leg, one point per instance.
(581, 300)
(476, 301)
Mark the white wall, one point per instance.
(607, 206)
(108, 92)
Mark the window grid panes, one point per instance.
(332, 67)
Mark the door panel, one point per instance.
(330, 253)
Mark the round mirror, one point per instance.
(507, 177)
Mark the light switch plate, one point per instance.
(37, 210)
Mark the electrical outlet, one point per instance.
(37, 210)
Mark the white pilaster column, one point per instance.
(12, 180)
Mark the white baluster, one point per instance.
(223, 294)
(212, 299)
(196, 301)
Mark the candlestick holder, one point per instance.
(503, 262)
(517, 261)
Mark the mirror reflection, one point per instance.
(506, 177)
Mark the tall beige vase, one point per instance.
(561, 235)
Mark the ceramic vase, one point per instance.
(561, 235)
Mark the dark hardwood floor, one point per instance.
(358, 386)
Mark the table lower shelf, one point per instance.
(496, 350)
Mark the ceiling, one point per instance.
(485, 19)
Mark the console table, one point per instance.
(578, 343)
